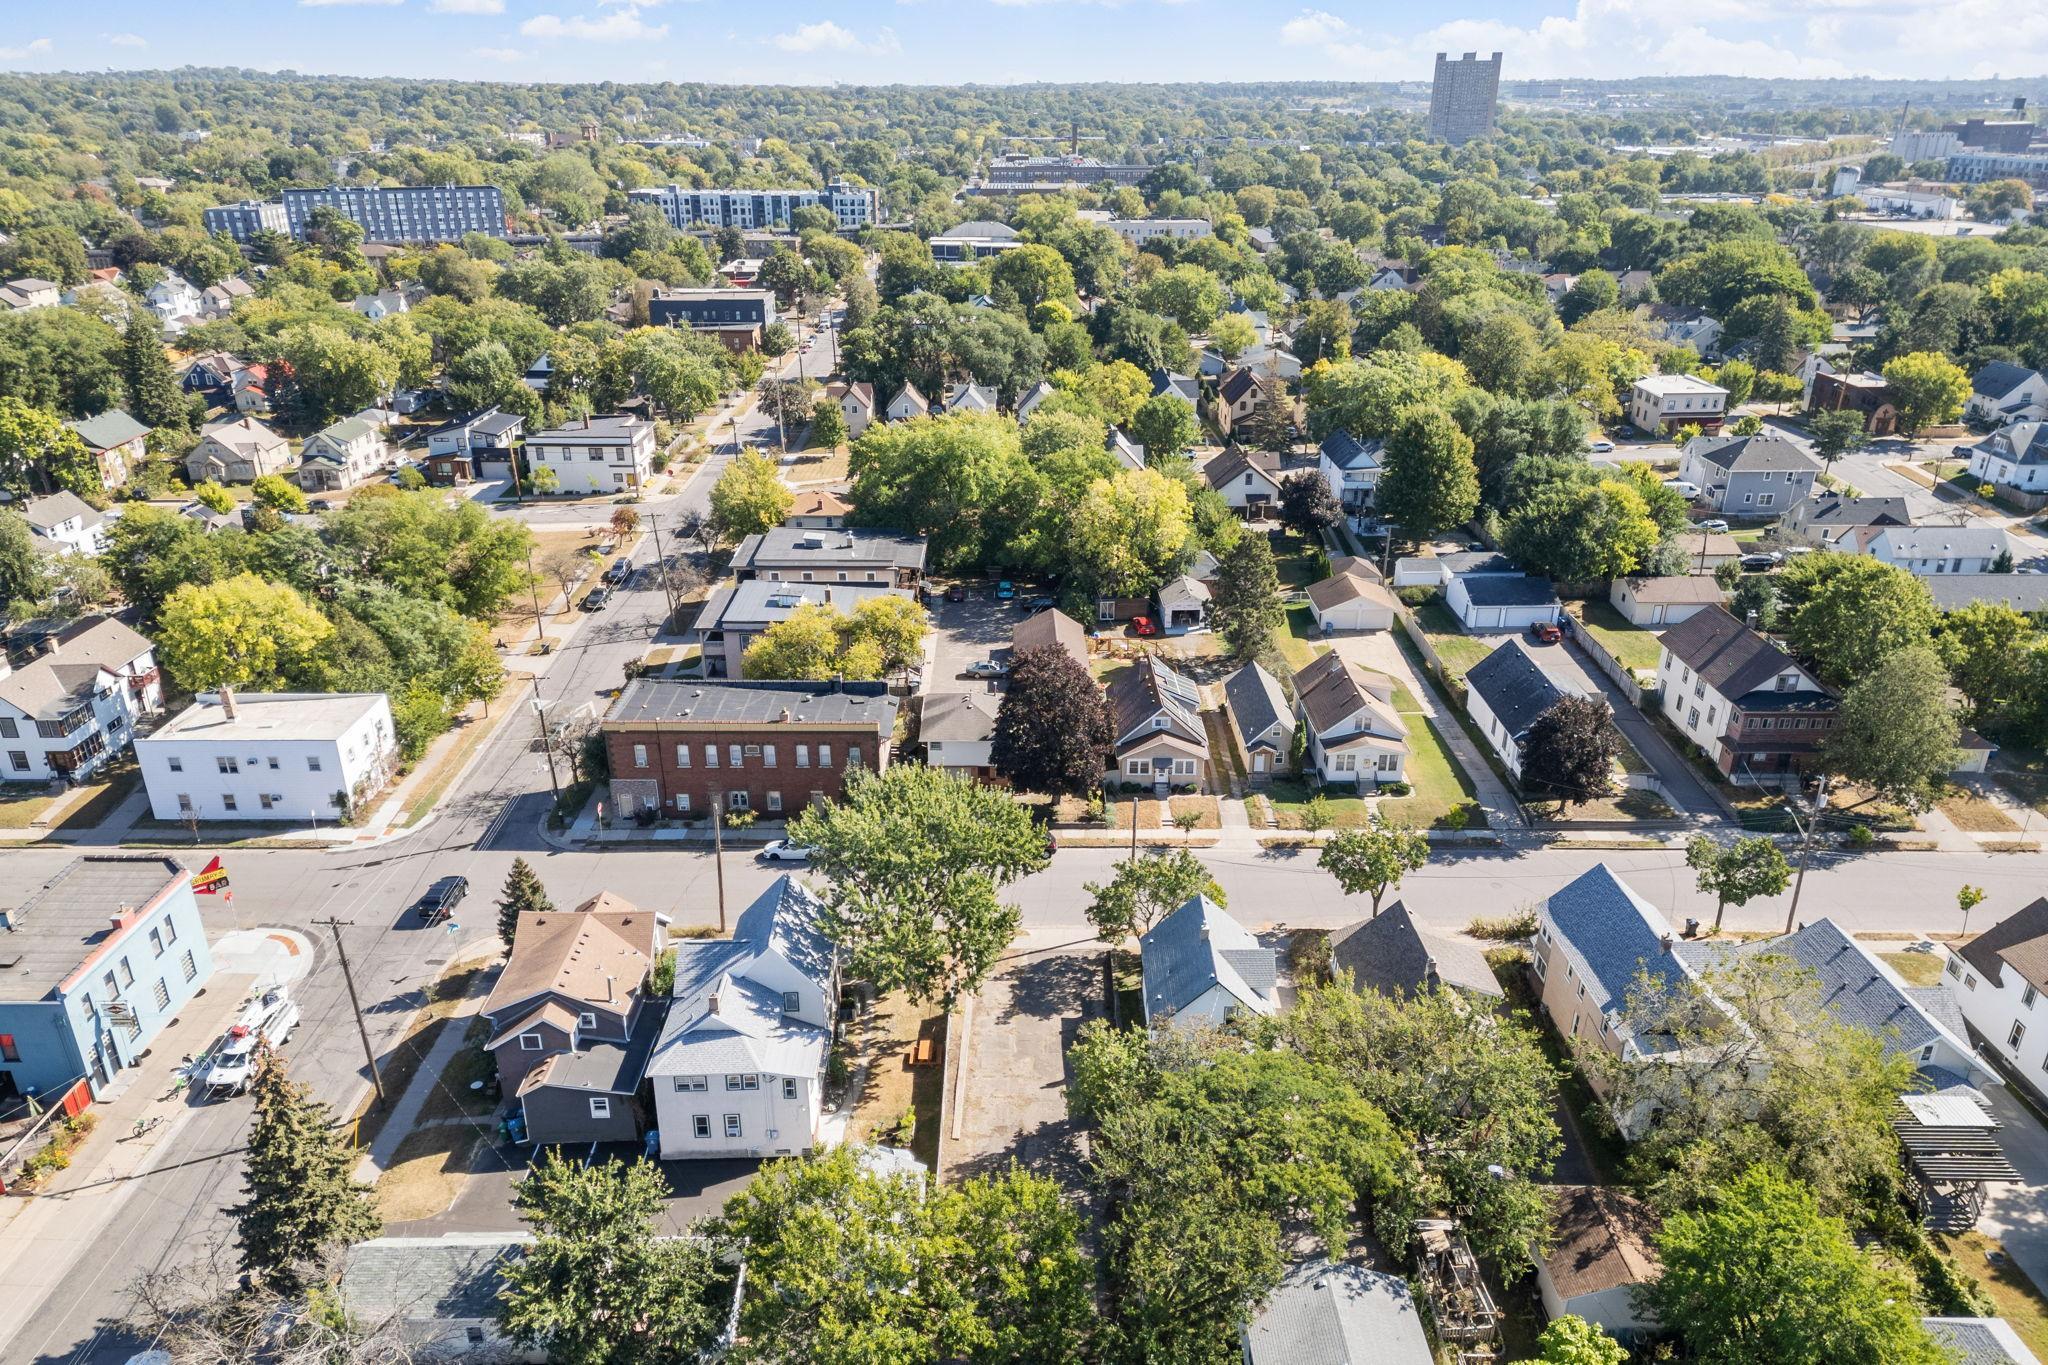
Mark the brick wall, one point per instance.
(807, 759)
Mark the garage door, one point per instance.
(1487, 618)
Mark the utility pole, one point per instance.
(335, 926)
(547, 742)
(533, 586)
(718, 851)
(668, 591)
(1806, 831)
(1134, 829)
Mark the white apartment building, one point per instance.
(740, 1065)
(75, 705)
(303, 756)
(853, 207)
(1928, 550)
(1138, 231)
(595, 455)
(1998, 979)
(1659, 403)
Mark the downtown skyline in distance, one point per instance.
(1007, 41)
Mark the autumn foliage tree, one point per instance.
(1053, 727)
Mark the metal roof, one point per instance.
(1198, 947)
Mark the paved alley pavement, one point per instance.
(1567, 662)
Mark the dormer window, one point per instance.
(1788, 682)
(791, 1002)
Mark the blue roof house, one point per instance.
(1203, 968)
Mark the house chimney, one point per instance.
(785, 715)
(609, 998)
(1430, 976)
(1670, 941)
(711, 1003)
(1205, 933)
(227, 701)
(1750, 620)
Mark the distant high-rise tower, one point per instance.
(1462, 97)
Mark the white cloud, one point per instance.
(38, 48)
(124, 40)
(1312, 26)
(499, 54)
(468, 6)
(826, 36)
(620, 26)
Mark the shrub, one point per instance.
(740, 819)
(1505, 928)
(1395, 789)
(1861, 837)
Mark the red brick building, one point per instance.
(679, 746)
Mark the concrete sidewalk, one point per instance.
(42, 1235)
(406, 1112)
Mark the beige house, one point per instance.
(1654, 602)
(1355, 737)
(237, 452)
(1159, 736)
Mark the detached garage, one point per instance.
(1351, 601)
(1501, 602)
(1654, 602)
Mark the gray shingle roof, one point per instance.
(1999, 378)
(1980, 1341)
(108, 429)
(1507, 590)
(1610, 935)
(424, 1279)
(1346, 451)
(1151, 690)
(2022, 592)
(56, 682)
(604, 1068)
(2019, 941)
(1257, 705)
(749, 1030)
(1751, 454)
(58, 508)
(1198, 947)
(950, 716)
(739, 702)
(1391, 954)
(1337, 1314)
(1513, 687)
(62, 924)
(2023, 443)
(1734, 660)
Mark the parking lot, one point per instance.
(969, 631)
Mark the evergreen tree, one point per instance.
(1246, 609)
(303, 1200)
(153, 395)
(523, 895)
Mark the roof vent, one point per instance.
(1670, 941)
(711, 1003)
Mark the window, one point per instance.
(791, 1002)
(1136, 767)
(162, 994)
(734, 755)
(2027, 998)
(746, 1082)
(8, 1051)
(824, 755)
(127, 973)
(789, 1087)
(639, 755)
(8, 729)
(586, 1020)
(774, 801)
(682, 755)
(227, 803)
(227, 765)
(529, 1042)
(177, 765)
(273, 763)
(156, 943)
(191, 968)
(600, 1106)
(732, 1125)
(266, 800)
(18, 760)
(700, 1125)
(170, 931)
(768, 755)
(682, 801)
(803, 755)
(711, 755)
(2012, 1039)
(1970, 982)
(853, 755)
(687, 1085)
(1955, 966)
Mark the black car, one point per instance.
(442, 897)
(598, 599)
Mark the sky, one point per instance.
(954, 41)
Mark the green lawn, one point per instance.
(1460, 652)
(1299, 561)
(1297, 639)
(1635, 647)
(104, 793)
(1439, 784)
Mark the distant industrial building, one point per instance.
(244, 220)
(404, 213)
(1463, 97)
(1974, 168)
(851, 206)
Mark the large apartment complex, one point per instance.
(1463, 96)
(244, 220)
(853, 206)
(404, 213)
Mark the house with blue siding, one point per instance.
(92, 967)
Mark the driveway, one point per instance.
(2017, 1215)
(967, 631)
(1568, 665)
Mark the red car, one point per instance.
(1546, 632)
(956, 592)
(1142, 625)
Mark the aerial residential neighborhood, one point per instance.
(1078, 684)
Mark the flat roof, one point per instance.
(269, 715)
(742, 702)
(59, 928)
(1677, 383)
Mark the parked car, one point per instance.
(1601, 447)
(1545, 632)
(984, 668)
(270, 1019)
(442, 897)
(1757, 563)
(620, 571)
(1041, 603)
(319, 505)
(1686, 487)
(1005, 590)
(1144, 625)
(783, 851)
(597, 599)
(1714, 524)
(956, 592)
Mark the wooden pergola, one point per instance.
(1951, 1164)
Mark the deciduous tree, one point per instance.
(1146, 889)
(1569, 754)
(1429, 483)
(1053, 727)
(916, 857)
(1928, 389)
(1896, 731)
(1835, 434)
(749, 497)
(1166, 426)
(1849, 613)
(1736, 874)
(1371, 861)
(241, 632)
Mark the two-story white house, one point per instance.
(1355, 736)
(64, 521)
(298, 756)
(1662, 403)
(1352, 469)
(2014, 457)
(1997, 980)
(175, 302)
(1748, 705)
(74, 706)
(596, 455)
(2003, 392)
(739, 1068)
(1248, 479)
(341, 455)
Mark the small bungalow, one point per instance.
(818, 509)
(1160, 737)
(1337, 1313)
(856, 405)
(1354, 733)
(1262, 720)
(1051, 627)
(1033, 396)
(1392, 954)
(1200, 967)
(907, 404)
(1504, 694)
(116, 442)
(957, 730)
(1249, 480)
